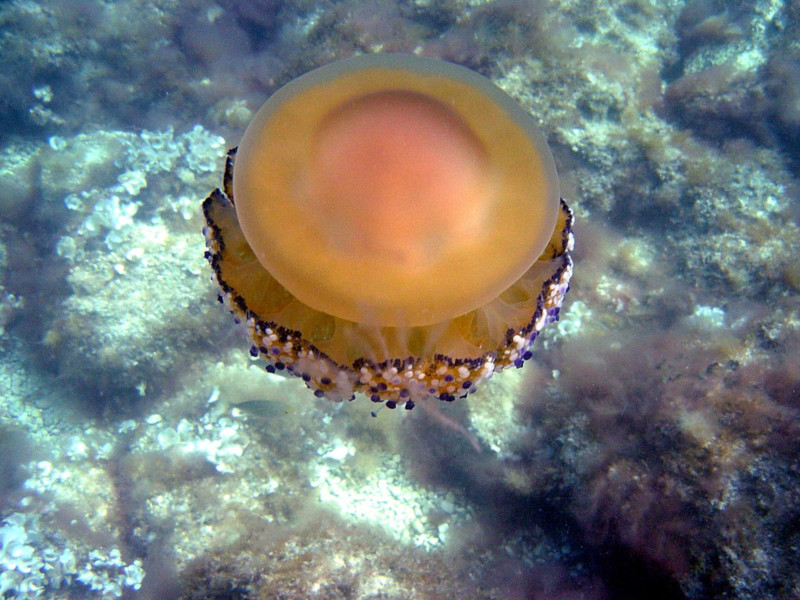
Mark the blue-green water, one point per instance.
(649, 449)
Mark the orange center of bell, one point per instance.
(396, 175)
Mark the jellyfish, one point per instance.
(390, 225)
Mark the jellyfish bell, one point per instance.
(391, 225)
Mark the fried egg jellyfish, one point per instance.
(391, 225)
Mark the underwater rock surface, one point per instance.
(650, 449)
